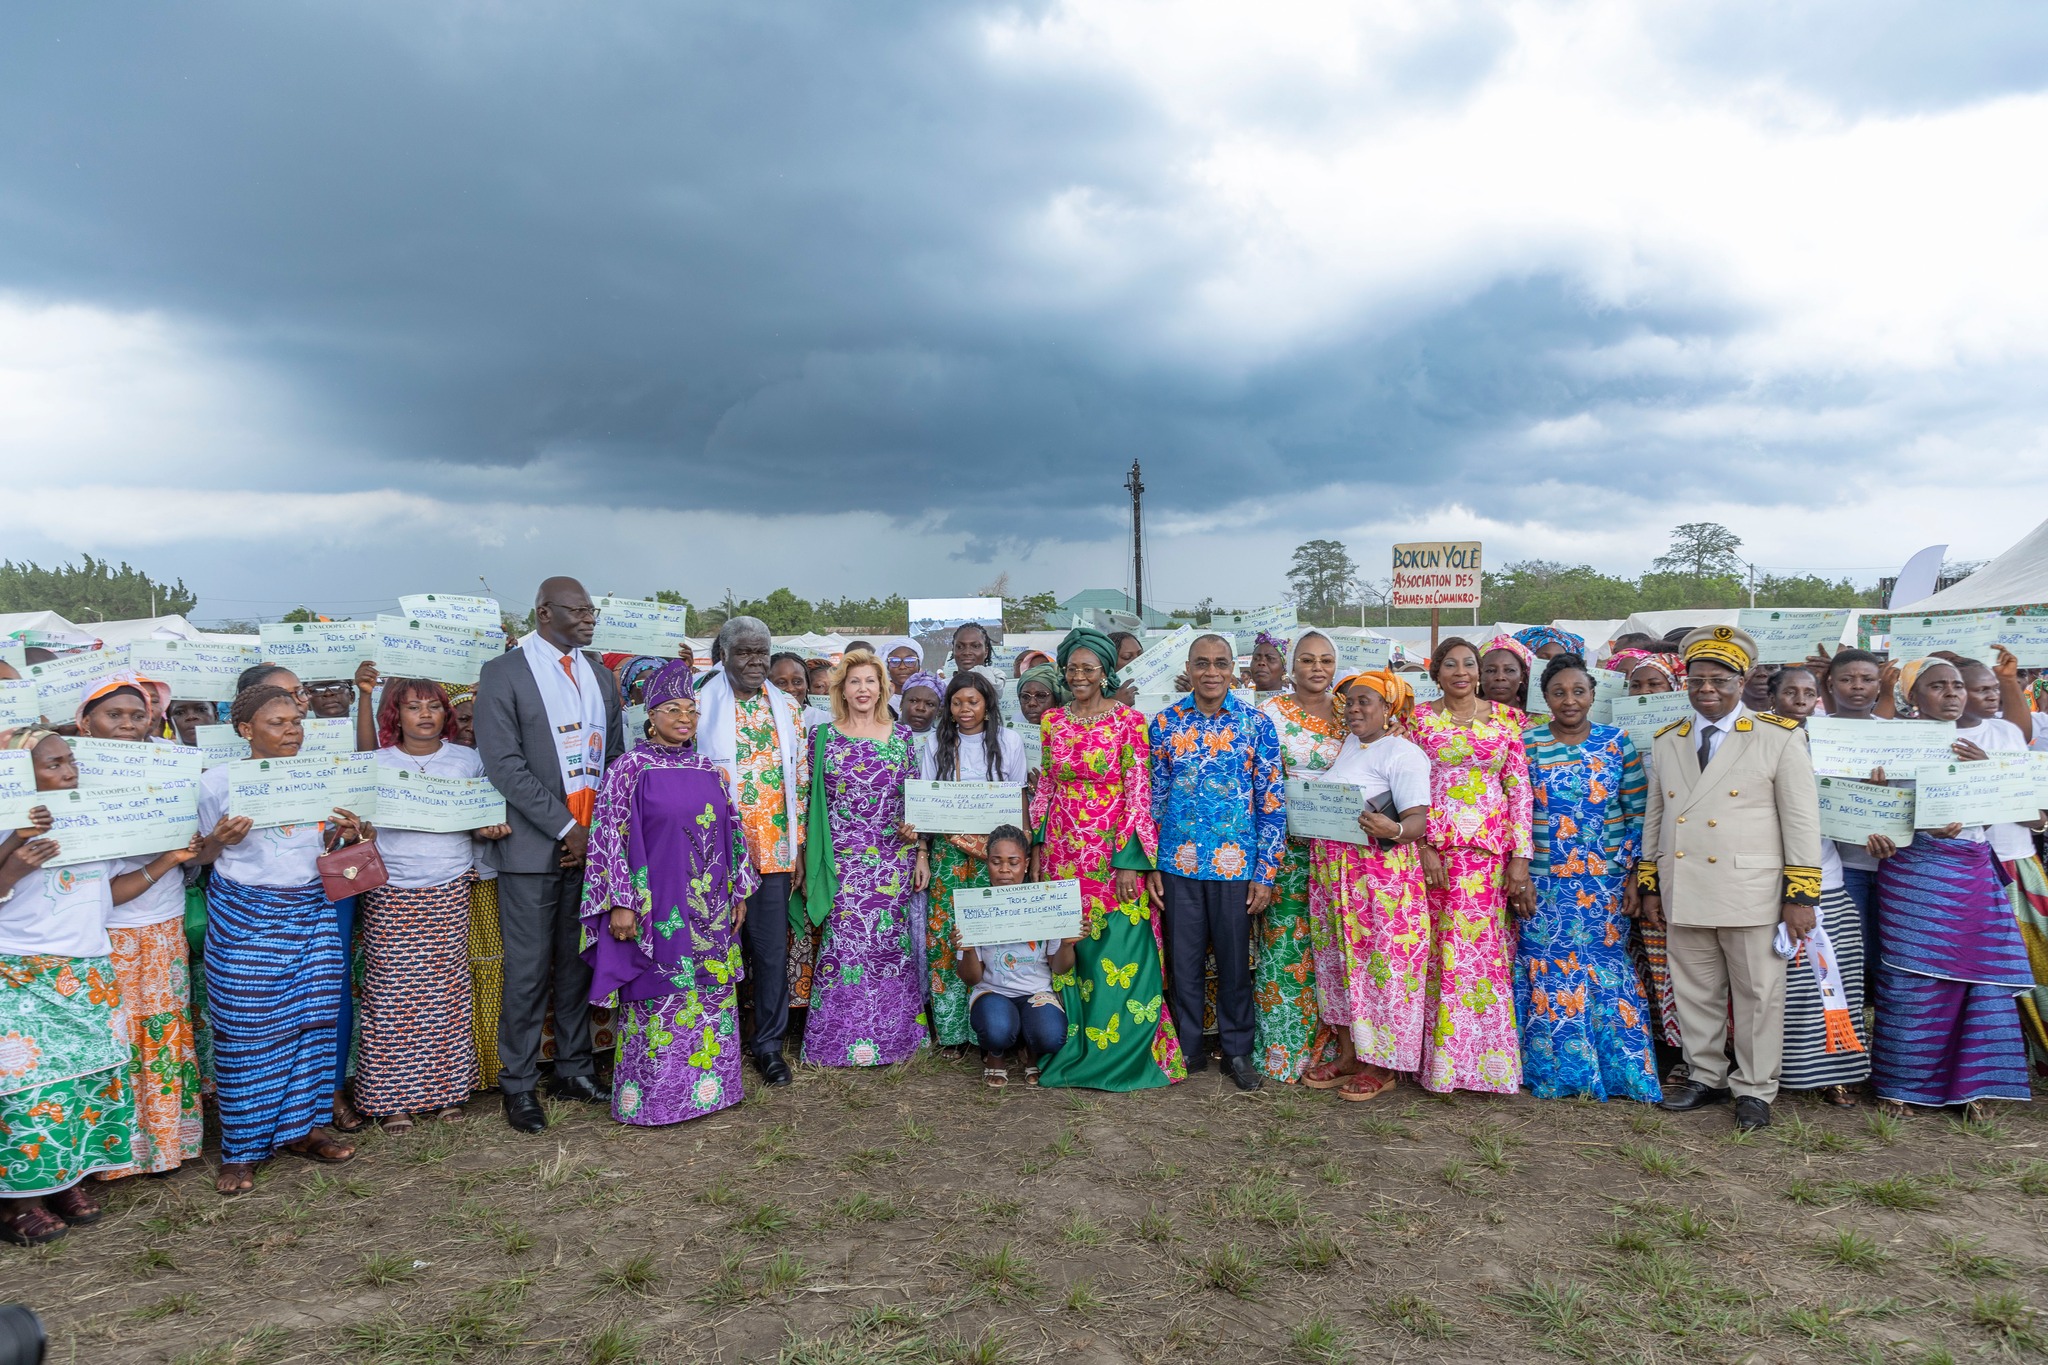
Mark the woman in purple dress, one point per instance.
(862, 866)
(664, 894)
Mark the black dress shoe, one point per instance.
(1194, 1061)
(1752, 1113)
(523, 1112)
(773, 1069)
(579, 1088)
(1685, 1095)
(1244, 1072)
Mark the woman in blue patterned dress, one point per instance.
(1585, 1028)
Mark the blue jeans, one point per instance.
(999, 1019)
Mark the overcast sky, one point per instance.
(329, 301)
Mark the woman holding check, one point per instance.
(275, 963)
(1369, 911)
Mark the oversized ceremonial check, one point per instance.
(1325, 810)
(1031, 913)
(124, 821)
(13, 651)
(1642, 717)
(1970, 635)
(61, 683)
(120, 762)
(635, 625)
(319, 650)
(303, 790)
(1790, 636)
(436, 805)
(450, 609)
(408, 647)
(1033, 740)
(1852, 811)
(1852, 748)
(961, 807)
(327, 735)
(20, 703)
(2026, 637)
(196, 670)
(1356, 654)
(219, 744)
(1162, 662)
(18, 795)
(1991, 791)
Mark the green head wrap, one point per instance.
(1049, 674)
(1096, 643)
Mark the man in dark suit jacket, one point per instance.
(547, 723)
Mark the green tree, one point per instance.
(1540, 590)
(1811, 590)
(1672, 591)
(1321, 578)
(1701, 549)
(299, 614)
(91, 590)
(1028, 613)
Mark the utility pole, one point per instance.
(1136, 484)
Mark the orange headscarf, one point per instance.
(1391, 685)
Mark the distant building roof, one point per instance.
(1106, 600)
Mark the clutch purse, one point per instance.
(351, 870)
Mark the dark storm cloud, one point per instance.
(764, 257)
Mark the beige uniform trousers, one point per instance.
(1710, 968)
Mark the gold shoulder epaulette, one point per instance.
(1782, 722)
(1684, 727)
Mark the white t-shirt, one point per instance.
(165, 900)
(1996, 735)
(285, 855)
(1017, 970)
(59, 912)
(1388, 765)
(413, 857)
(971, 760)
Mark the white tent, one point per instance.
(1661, 623)
(45, 623)
(2017, 578)
(116, 633)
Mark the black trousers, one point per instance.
(1200, 916)
(765, 947)
(538, 924)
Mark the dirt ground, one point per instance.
(909, 1215)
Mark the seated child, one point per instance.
(1011, 998)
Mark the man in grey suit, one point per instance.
(547, 723)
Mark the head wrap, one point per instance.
(900, 642)
(1628, 661)
(1909, 673)
(459, 693)
(1279, 642)
(1023, 664)
(923, 679)
(1096, 643)
(1725, 645)
(1390, 685)
(1514, 647)
(1536, 637)
(636, 667)
(613, 658)
(28, 736)
(1049, 674)
(671, 682)
(155, 695)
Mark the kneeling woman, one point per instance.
(1010, 994)
(275, 966)
(664, 894)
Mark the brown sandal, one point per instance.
(1358, 1093)
(32, 1227)
(75, 1206)
(454, 1113)
(235, 1177)
(347, 1118)
(1328, 1075)
(319, 1147)
(1840, 1096)
(397, 1125)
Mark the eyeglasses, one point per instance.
(588, 609)
(1082, 671)
(1702, 684)
(1210, 666)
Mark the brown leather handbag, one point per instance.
(352, 869)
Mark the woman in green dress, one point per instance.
(1093, 812)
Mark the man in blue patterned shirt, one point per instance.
(1219, 798)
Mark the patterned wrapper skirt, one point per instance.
(1814, 1058)
(1370, 935)
(418, 1049)
(1472, 1043)
(486, 980)
(163, 1069)
(65, 1112)
(951, 870)
(2029, 893)
(1284, 972)
(275, 976)
(678, 1058)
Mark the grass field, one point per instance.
(908, 1215)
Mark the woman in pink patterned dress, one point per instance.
(1475, 862)
(1093, 813)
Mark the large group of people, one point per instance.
(1530, 902)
